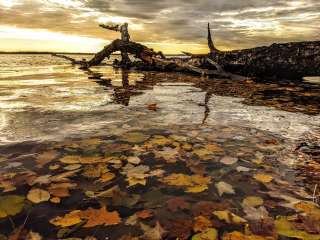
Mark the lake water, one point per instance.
(165, 152)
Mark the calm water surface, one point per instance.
(241, 138)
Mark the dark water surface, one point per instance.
(118, 154)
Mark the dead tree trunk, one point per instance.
(123, 29)
(288, 60)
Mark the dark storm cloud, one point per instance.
(238, 23)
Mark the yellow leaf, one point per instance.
(37, 195)
(229, 217)
(67, 220)
(309, 208)
(11, 205)
(264, 178)
(55, 200)
(209, 234)
(134, 137)
(285, 228)
(241, 236)
(54, 167)
(92, 160)
(93, 217)
(107, 177)
(70, 159)
(252, 201)
(72, 167)
(193, 183)
(213, 148)
(160, 140)
(197, 189)
(134, 181)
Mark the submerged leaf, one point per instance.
(224, 187)
(264, 178)
(229, 160)
(286, 228)
(209, 234)
(152, 233)
(11, 205)
(252, 201)
(134, 137)
(229, 217)
(201, 224)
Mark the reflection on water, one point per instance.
(64, 101)
(90, 139)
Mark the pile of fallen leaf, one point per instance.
(227, 183)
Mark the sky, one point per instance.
(171, 26)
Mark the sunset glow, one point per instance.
(72, 25)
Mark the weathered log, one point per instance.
(287, 60)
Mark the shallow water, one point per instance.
(176, 151)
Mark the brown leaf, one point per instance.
(153, 107)
(205, 208)
(308, 224)
(176, 203)
(101, 216)
(45, 158)
(179, 228)
(263, 227)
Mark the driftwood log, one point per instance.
(288, 60)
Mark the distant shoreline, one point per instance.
(46, 53)
(65, 53)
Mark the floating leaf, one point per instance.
(193, 183)
(37, 195)
(101, 216)
(264, 178)
(209, 234)
(11, 205)
(224, 187)
(94, 217)
(229, 217)
(67, 220)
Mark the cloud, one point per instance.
(236, 24)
